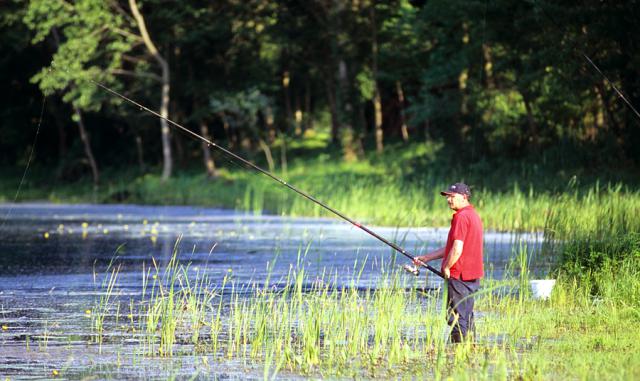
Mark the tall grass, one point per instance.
(313, 326)
(388, 192)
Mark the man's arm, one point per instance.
(452, 258)
(436, 254)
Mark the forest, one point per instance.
(546, 88)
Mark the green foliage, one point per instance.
(504, 79)
(90, 41)
(582, 255)
(504, 112)
(366, 83)
(241, 109)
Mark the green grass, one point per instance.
(400, 188)
(584, 331)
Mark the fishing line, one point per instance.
(270, 175)
(590, 61)
(26, 169)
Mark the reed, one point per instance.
(104, 306)
(385, 191)
(371, 197)
(313, 326)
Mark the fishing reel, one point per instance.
(411, 269)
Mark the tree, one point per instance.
(89, 41)
(501, 79)
(225, 54)
(95, 41)
(21, 102)
(167, 161)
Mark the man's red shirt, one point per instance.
(466, 226)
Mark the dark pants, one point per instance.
(460, 307)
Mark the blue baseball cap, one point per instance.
(459, 188)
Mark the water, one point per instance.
(53, 259)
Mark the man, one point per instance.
(462, 261)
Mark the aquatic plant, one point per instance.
(314, 326)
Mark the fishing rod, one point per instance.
(277, 179)
(581, 53)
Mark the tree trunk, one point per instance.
(167, 161)
(298, 116)
(611, 121)
(267, 154)
(347, 135)
(333, 109)
(164, 104)
(140, 153)
(232, 137)
(286, 78)
(84, 137)
(361, 134)
(308, 120)
(465, 131)
(377, 107)
(377, 102)
(268, 120)
(178, 151)
(209, 164)
(283, 155)
(488, 67)
(531, 123)
(462, 119)
(403, 120)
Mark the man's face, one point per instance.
(456, 201)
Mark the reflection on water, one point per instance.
(53, 258)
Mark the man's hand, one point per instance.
(447, 273)
(431, 256)
(418, 261)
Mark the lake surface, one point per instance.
(53, 259)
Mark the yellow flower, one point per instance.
(55, 373)
(87, 312)
(46, 235)
(85, 225)
(5, 327)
